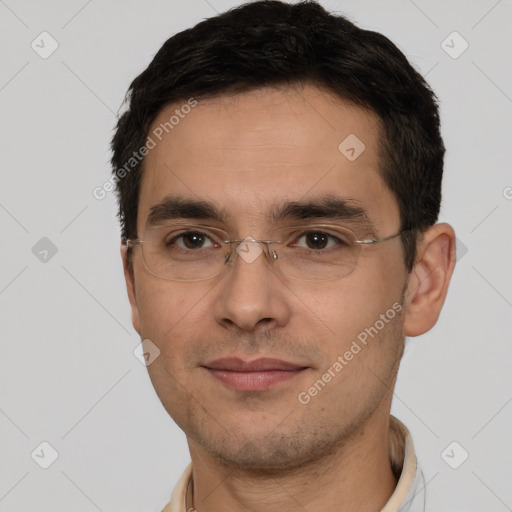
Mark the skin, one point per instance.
(264, 450)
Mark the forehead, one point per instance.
(252, 151)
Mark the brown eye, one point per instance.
(191, 240)
(316, 240)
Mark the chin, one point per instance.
(266, 452)
(267, 458)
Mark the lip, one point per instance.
(257, 375)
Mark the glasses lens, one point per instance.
(183, 252)
(180, 252)
(317, 253)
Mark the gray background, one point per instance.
(68, 375)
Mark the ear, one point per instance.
(130, 286)
(429, 279)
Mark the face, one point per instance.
(249, 156)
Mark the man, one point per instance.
(278, 173)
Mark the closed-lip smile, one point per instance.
(256, 375)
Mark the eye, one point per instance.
(191, 240)
(318, 240)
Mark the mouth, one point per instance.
(258, 375)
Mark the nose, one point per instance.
(252, 296)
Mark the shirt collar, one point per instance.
(409, 494)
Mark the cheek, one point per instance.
(167, 309)
(171, 315)
(367, 336)
(352, 307)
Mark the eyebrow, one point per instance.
(326, 208)
(171, 208)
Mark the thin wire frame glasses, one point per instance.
(189, 252)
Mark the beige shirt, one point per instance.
(409, 495)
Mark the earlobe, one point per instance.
(429, 279)
(130, 286)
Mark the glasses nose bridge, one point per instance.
(251, 251)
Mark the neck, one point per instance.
(356, 476)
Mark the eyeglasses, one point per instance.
(187, 252)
